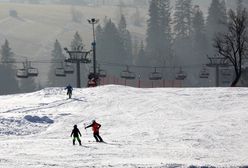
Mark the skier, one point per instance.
(76, 134)
(92, 83)
(69, 90)
(95, 128)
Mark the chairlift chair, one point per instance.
(33, 71)
(155, 75)
(181, 75)
(22, 73)
(204, 73)
(68, 69)
(126, 74)
(60, 72)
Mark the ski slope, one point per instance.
(142, 127)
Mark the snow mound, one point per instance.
(37, 119)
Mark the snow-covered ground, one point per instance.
(142, 128)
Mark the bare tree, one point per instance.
(233, 44)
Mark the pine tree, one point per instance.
(111, 46)
(126, 42)
(153, 33)
(57, 56)
(199, 36)
(7, 54)
(240, 6)
(224, 17)
(99, 41)
(182, 18)
(165, 30)
(77, 45)
(8, 83)
(183, 32)
(216, 21)
(142, 59)
(135, 49)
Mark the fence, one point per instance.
(139, 83)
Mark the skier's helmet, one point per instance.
(75, 126)
(93, 121)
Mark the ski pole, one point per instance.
(85, 129)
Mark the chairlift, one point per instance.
(155, 75)
(22, 73)
(126, 74)
(204, 73)
(33, 71)
(68, 68)
(100, 72)
(60, 72)
(181, 75)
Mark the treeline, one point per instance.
(179, 37)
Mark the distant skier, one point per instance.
(69, 90)
(92, 82)
(95, 128)
(76, 135)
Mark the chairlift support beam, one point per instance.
(216, 62)
(77, 57)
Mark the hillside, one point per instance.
(142, 128)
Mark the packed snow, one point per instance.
(163, 127)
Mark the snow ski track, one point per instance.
(43, 106)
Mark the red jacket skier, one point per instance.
(92, 83)
(95, 128)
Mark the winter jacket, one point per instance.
(95, 127)
(75, 132)
(69, 88)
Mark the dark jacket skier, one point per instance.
(76, 134)
(69, 90)
(95, 128)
